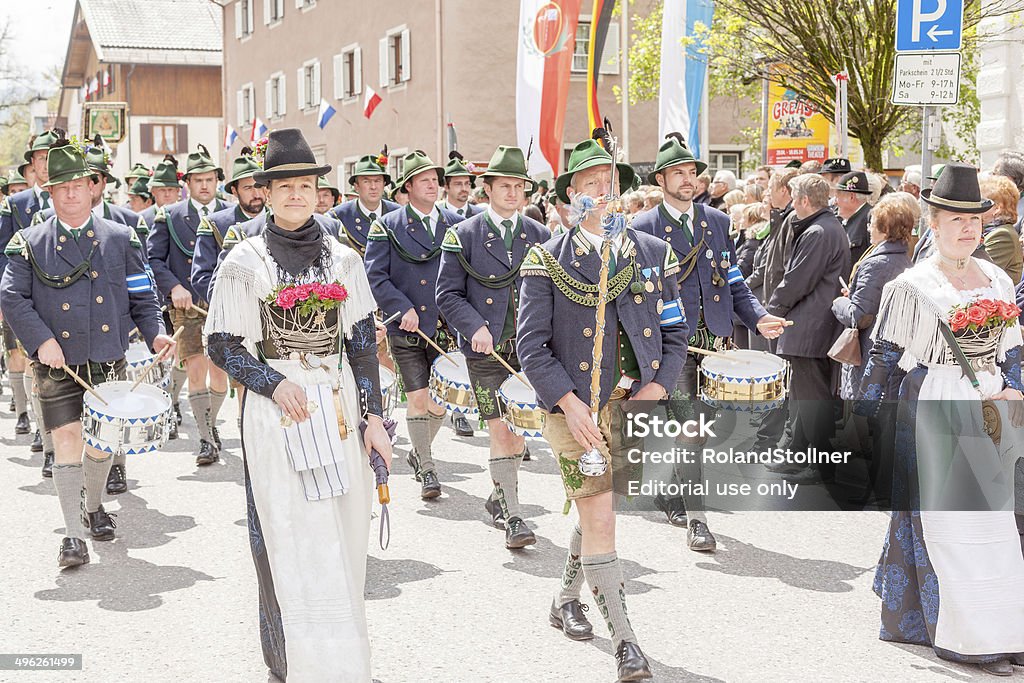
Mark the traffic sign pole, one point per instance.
(926, 150)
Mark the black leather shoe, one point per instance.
(1017, 659)
(461, 424)
(216, 438)
(207, 454)
(673, 508)
(571, 619)
(48, 465)
(117, 480)
(517, 534)
(172, 433)
(633, 666)
(1000, 668)
(526, 455)
(700, 538)
(22, 426)
(100, 524)
(431, 487)
(493, 508)
(413, 461)
(13, 406)
(37, 443)
(73, 552)
(177, 413)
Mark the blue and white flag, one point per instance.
(326, 112)
(683, 70)
(230, 135)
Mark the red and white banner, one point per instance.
(547, 36)
(370, 102)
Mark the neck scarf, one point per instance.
(294, 250)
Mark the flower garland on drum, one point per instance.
(309, 299)
(982, 314)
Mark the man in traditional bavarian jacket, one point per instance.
(74, 288)
(477, 294)
(17, 212)
(212, 228)
(137, 172)
(459, 181)
(403, 252)
(164, 186)
(368, 179)
(172, 242)
(645, 345)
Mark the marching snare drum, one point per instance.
(138, 358)
(747, 380)
(388, 390)
(518, 405)
(132, 421)
(450, 386)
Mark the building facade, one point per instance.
(162, 58)
(432, 62)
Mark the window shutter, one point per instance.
(610, 58)
(298, 3)
(240, 106)
(251, 24)
(282, 98)
(280, 9)
(181, 139)
(406, 61)
(357, 70)
(315, 98)
(269, 99)
(300, 87)
(267, 6)
(146, 138)
(238, 19)
(383, 64)
(339, 76)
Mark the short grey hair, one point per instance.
(812, 186)
(727, 177)
(1011, 165)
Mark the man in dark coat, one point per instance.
(369, 179)
(852, 207)
(821, 255)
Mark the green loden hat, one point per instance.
(417, 162)
(43, 142)
(66, 162)
(244, 166)
(673, 151)
(141, 188)
(201, 162)
(165, 174)
(588, 154)
(369, 165)
(456, 168)
(509, 162)
(323, 184)
(137, 171)
(16, 178)
(99, 161)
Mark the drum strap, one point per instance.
(404, 254)
(60, 281)
(177, 240)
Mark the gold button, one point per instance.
(584, 365)
(95, 275)
(423, 282)
(647, 332)
(99, 299)
(423, 256)
(587, 332)
(65, 307)
(58, 247)
(105, 328)
(191, 242)
(716, 297)
(90, 233)
(655, 364)
(423, 308)
(65, 334)
(668, 228)
(489, 301)
(357, 220)
(188, 260)
(579, 252)
(638, 298)
(63, 238)
(668, 239)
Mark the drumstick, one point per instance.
(197, 309)
(508, 367)
(843, 282)
(392, 319)
(85, 385)
(716, 354)
(159, 357)
(775, 323)
(436, 347)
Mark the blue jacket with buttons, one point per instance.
(16, 212)
(463, 301)
(355, 224)
(715, 283)
(172, 244)
(399, 284)
(92, 317)
(555, 334)
(209, 239)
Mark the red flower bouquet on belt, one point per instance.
(310, 298)
(982, 314)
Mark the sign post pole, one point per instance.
(926, 148)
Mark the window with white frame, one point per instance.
(243, 18)
(610, 58)
(345, 170)
(396, 163)
(246, 104)
(304, 4)
(308, 81)
(724, 161)
(395, 58)
(275, 96)
(348, 73)
(273, 11)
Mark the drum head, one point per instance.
(146, 402)
(744, 363)
(515, 391)
(458, 373)
(138, 354)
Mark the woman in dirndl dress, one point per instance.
(951, 574)
(308, 484)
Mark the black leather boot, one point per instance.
(207, 454)
(22, 426)
(37, 443)
(117, 480)
(48, 465)
(73, 552)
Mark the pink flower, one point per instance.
(958, 320)
(976, 315)
(286, 298)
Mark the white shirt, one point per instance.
(367, 212)
(98, 210)
(434, 215)
(597, 240)
(211, 207)
(71, 228)
(496, 219)
(461, 210)
(677, 215)
(39, 190)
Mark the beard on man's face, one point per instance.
(682, 193)
(253, 207)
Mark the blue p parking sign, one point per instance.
(929, 25)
